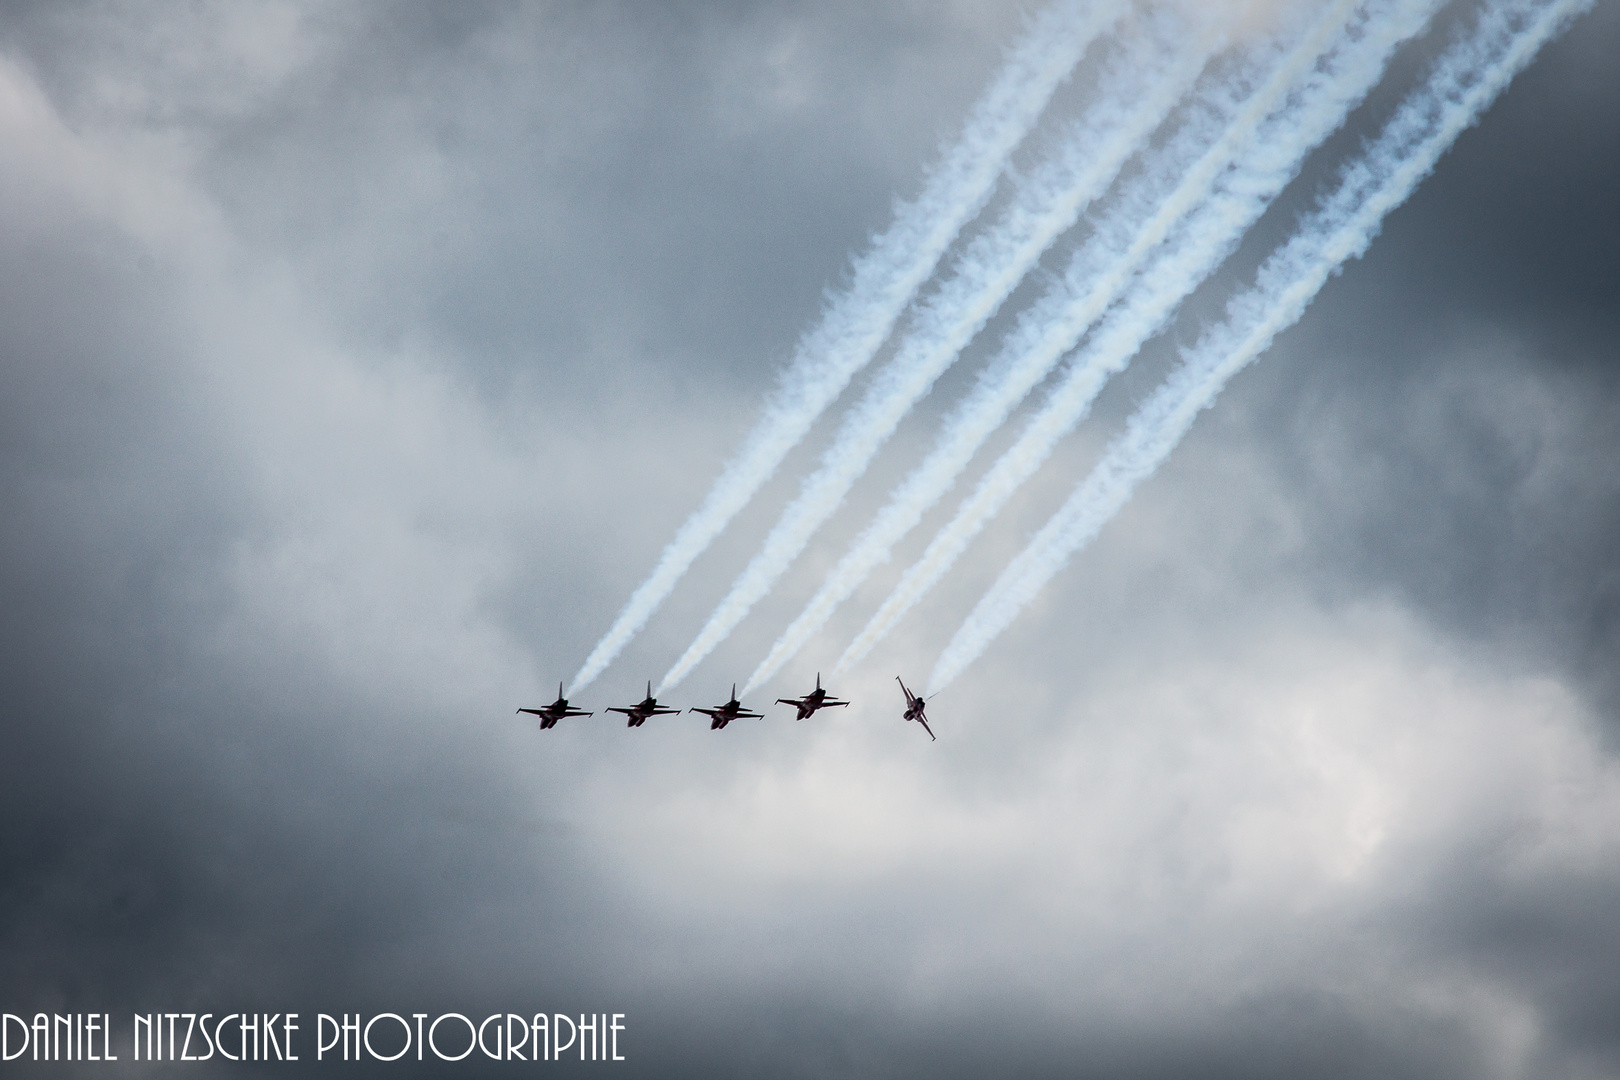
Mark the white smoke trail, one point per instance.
(1141, 86)
(1464, 82)
(1275, 148)
(1174, 178)
(856, 321)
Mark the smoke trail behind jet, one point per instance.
(1464, 82)
(1274, 154)
(1143, 82)
(857, 320)
(1174, 177)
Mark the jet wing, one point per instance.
(926, 728)
(796, 703)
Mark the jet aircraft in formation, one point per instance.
(721, 715)
(638, 714)
(914, 708)
(815, 699)
(555, 711)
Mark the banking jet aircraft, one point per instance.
(815, 699)
(914, 708)
(555, 711)
(721, 715)
(638, 713)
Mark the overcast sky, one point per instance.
(357, 362)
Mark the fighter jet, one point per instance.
(638, 713)
(721, 715)
(815, 699)
(914, 708)
(555, 711)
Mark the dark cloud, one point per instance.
(1451, 404)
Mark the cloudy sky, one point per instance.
(356, 364)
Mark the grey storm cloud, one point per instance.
(356, 364)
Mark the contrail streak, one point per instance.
(857, 320)
(1173, 178)
(1142, 85)
(1305, 110)
(1464, 82)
